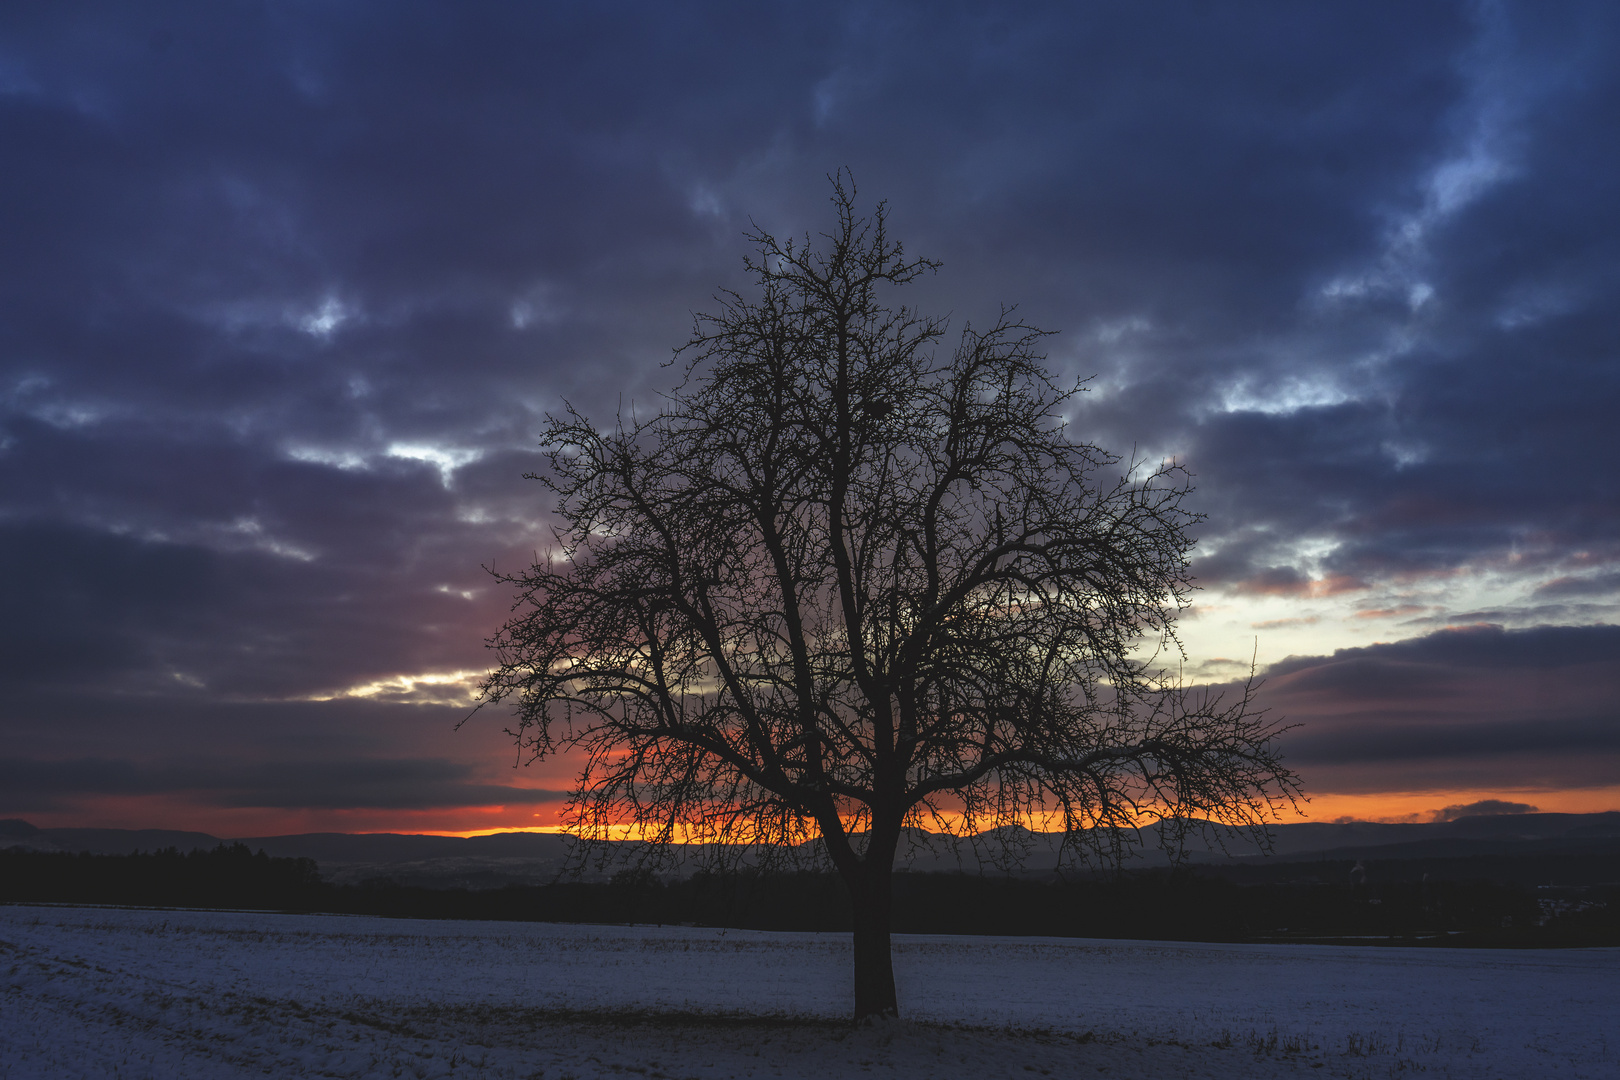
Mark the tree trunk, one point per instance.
(871, 896)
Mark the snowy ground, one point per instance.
(88, 992)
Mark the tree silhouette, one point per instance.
(839, 586)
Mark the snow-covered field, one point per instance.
(132, 994)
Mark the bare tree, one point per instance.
(839, 586)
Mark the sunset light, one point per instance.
(263, 440)
(818, 539)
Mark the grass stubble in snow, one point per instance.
(90, 992)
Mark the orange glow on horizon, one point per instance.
(503, 831)
(1395, 807)
(1398, 806)
(180, 813)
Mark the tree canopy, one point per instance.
(848, 580)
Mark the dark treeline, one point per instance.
(229, 876)
(1318, 901)
(1534, 865)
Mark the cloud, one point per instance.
(1288, 581)
(362, 783)
(1483, 807)
(288, 298)
(1582, 585)
(1470, 707)
(1275, 624)
(1413, 735)
(1480, 646)
(108, 611)
(1391, 612)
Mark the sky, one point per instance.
(286, 291)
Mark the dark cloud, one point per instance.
(1482, 646)
(1413, 736)
(1581, 586)
(1483, 807)
(288, 288)
(363, 783)
(1469, 707)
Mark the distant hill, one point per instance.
(1504, 835)
(537, 858)
(475, 862)
(344, 858)
(15, 833)
(1466, 833)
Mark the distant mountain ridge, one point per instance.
(344, 858)
(535, 858)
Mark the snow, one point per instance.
(93, 992)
